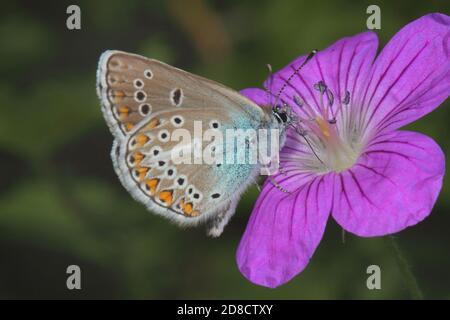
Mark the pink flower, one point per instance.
(357, 167)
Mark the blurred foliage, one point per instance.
(61, 204)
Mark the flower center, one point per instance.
(329, 131)
(337, 154)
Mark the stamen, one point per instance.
(298, 101)
(323, 89)
(320, 86)
(304, 107)
(323, 127)
(330, 97)
(346, 100)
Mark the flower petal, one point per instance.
(257, 95)
(394, 185)
(411, 76)
(344, 66)
(285, 228)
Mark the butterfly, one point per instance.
(143, 101)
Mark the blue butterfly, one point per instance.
(143, 102)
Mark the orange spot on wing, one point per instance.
(188, 208)
(124, 112)
(142, 172)
(129, 126)
(119, 95)
(166, 197)
(141, 140)
(138, 157)
(151, 185)
(153, 124)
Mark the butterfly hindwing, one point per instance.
(187, 193)
(144, 102)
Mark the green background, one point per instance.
(61, 203)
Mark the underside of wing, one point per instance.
(188, 192)
(132, 87)
(145, 102)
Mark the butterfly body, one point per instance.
(145, 102)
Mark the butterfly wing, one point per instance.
(131, 87)
(144, 102)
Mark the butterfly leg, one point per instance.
(277, 185)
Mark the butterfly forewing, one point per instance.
(144, 102)
(132, 87)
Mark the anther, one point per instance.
(320, 86)
(330, 97)
(346, 97)
(298, 101)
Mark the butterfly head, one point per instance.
(284, 115)
(280, 114)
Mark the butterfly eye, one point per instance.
(138, 84)
(280, 115)
(148, 74)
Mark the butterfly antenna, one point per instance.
(267, 88)
(283, 87)
(296, 71)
